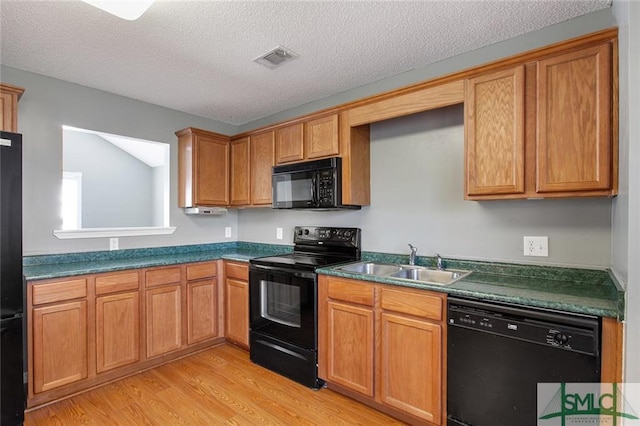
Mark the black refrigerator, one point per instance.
(12, 287)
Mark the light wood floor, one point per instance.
(219, 386)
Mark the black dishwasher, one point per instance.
(498, 353)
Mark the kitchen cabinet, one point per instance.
(236, 285)
(349, 326)
(163, 310)
(262, 157)
(9, 96)
(411, 355)
(59, 333)
(240, 172)
(252, 158)
(202, 302)
(385, 344)
(494, 133)
(88, 330)
(203, 168)
(542, 129)
(117, 320)
(312, 139)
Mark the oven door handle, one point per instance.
(289, 271)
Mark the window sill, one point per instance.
(67, 234)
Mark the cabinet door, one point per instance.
(9, 96)
(321, 137)
(494, 133)
(262, 160)
(202, 310)
(163, 320)
(117, 330)
(240, 172)
(574, 121)
(290, 143)
(211, 171)
(59, 345)
(237, 311)
(411, 366)
(350, 346)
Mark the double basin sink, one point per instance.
(406, 272)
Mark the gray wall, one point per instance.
(158, 194)
(417, 191)
(47, 105)
(626, 211)
(117, 188)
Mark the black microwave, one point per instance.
(313, 184)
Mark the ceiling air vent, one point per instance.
(276, 57)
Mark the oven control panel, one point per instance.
(317, 235)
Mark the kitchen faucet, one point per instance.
(439, 262)
(412, 255)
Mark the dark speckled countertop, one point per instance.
(586, 291)
(64, 265)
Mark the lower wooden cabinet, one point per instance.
(236, 294)
(383, 345)
(117, 330)
(350, 346)
(163, 320)
(59, 344)
(88, 330)
(202, 310)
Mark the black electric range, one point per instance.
(283, 300)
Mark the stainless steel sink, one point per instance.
(406, 272)
(370, 268)
(433, 276)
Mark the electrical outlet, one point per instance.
(227, 232)
(536, 246)
(279, 233)
(113, 244)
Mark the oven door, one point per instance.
(295, 189)
(282, 304)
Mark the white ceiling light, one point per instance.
(125, 9)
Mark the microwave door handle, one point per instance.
(314, 198)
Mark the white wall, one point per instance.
(45, 107)
(417, 191)
(626, 227)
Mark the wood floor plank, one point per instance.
(219, 386)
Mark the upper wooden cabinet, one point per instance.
(494, 133)
(316, 138)
(252, 158)
(203, 168)
(9, 96)
(574, 149)
(542, 129)
(240, 172)
(262, 156)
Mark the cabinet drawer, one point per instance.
(239, 271)
(350, 291)
(60, 290)
(201, 270)
(112, 283)
(162, 276)
(415, 303)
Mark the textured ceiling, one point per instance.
(197, 56)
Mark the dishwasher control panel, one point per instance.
(540, 327)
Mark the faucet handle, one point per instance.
(413, 248)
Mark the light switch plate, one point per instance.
(279, 233)
(227, 232)
(536, 246)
